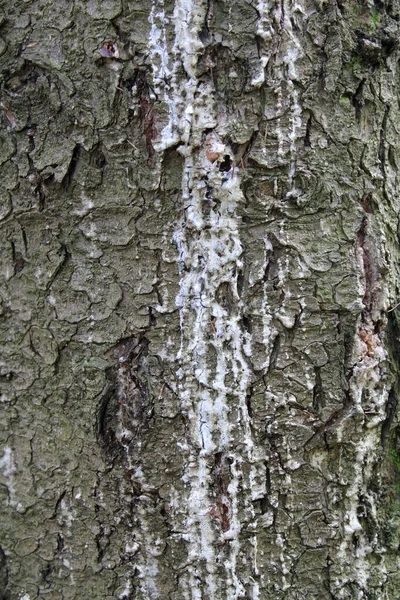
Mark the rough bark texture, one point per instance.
(200, 254)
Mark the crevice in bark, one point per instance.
(205, 33)
(318, 392)
(274, 354)
(3, 576)
(102, 541)
(307, 137)
(357, 99)
(368, 265)
(221, 509)
(366, 203)
(249, 405)
(346, 327)
(390, 411)
(66, 259)
(58, 503)
(18, 260)
(147, 114)
(382, 140)
(66, 182)
(45, 573)
(264, 502)
(38, 181)
(107, 409)
(240, 282)
(391, 408)
(382, 152)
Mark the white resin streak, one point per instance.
(178, 96)
(286, 71)
(265, 33)
(208, 256)
(161, 70)
(211, 256)
(293, 53)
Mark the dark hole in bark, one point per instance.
(263, 502)
(389, 45)
(226, 164)
(240, 282)
(307, 141)
(249, 406)
(247, 323)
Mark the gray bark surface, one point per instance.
(200, 279)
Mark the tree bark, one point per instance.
(200, 329)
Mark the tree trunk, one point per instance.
(200, 263)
